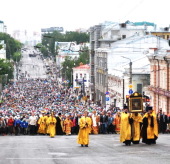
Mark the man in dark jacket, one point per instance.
(163, 121)
(103, 123)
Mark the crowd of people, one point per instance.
(46, 107)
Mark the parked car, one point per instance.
(32, 55)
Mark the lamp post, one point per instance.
(130, 69)
(72, 74)
(130, 78)
(83, 87)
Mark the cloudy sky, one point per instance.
(73, 14)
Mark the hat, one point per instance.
(148, 108)
(125, 107)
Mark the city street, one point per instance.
(103, 149)
(31, 67)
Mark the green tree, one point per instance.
(17, 56)
(84, 56)
(43, 49)
(77, 37)
(6, 68)
(49, 40)
(12, 45)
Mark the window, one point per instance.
(76, 75)
(123, 36)
(85, 76)
(139, 88)
(81, 76)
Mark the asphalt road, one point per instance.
(103, 149)
(32, 67)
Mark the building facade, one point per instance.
(51, 29)
(3, 28)
(101, 39)
(160, 79)
(81, 79)
(66, 49)
(123, 64)
(162, 32)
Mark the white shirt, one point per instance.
(32, 120)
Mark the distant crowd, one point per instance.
(30, 106)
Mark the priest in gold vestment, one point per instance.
(83, 135)
(51, 122)
(42, 124)
(136, 127)
(150, 127)
(125, 127)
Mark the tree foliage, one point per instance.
(69, 63)
(49, 40)
(76, 37)
(6, 68)
(12, 45)
(17, 56)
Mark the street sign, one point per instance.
(107, 98)
(107, 93)
(130, 91)
(130, 85)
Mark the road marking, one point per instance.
(55, 153)
(34, 158)
(38, 148)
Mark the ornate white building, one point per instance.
(81, 78)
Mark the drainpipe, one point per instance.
(167, 64)
(158, 77)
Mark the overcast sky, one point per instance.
(73, 14)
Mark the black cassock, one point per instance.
(59, 130)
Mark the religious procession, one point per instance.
(45, 107)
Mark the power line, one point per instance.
(125, 15)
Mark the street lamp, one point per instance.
(72, 74)
(130, 69)
(130, 78)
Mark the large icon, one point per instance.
(135, 102)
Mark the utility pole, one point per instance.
(130, 79)
(130, 72)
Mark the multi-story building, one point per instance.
(160, 78)
(3, 28)
(51, 29)
(162, 32)
(81, 78)
(118, 60)
(101, 38)
(67, 49)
